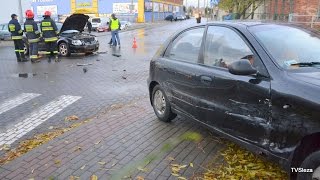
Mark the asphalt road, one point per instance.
(36, 97)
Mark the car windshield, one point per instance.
(97, 20)
(289, 46)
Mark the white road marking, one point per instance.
(37, 117)
(16, 101)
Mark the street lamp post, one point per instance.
(20, 10)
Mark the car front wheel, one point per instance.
(161, 105)
(64, 49)
(26, 49)
(311, 162)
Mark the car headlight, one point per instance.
(95, 38)
(76, 42)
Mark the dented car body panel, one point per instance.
(268, 114)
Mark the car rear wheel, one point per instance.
(161, 105)
(64, 49)
(311, 162)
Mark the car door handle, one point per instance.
(206, 79)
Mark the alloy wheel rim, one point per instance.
(159, 102)
(25, 50)
(316, 174)
(63, 49)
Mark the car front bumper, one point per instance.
(84, 48)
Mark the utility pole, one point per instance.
(199, 7)
(20, 11)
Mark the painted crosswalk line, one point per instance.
(16, 101)
(35, 118)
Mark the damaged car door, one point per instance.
(235, 104)
(178, 66)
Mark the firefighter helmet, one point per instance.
(29, 14)
(47, 13)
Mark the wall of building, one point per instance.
(106, 7)
(280, 10)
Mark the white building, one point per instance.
(13, 7)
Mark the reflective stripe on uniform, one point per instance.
(34, 56)
(57, 32)
(20, 31)
(48, 52)
(50, 39)
(12, 27)
(21, 51)
(55, 52)
(29, 28)
(37, 32)
(47, 28)
(33, 40)
(16, 37)
(17, 50)
(46, 23)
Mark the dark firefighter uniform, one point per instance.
(33, 35)
(16, 35)
(49, 33)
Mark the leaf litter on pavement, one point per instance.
(242, 164)
(37, 140)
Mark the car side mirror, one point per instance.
(242, 67)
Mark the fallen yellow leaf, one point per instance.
(140, 178)
(102, 163)
(83, 167)
(57, 162)
(174, 174)
(182, 178)
(94, 177)
(72, 118)
(191, 164)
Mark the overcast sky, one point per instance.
(195, 2)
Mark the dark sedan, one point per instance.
(257, 84)
(71, 38)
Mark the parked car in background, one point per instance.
(96, 22)
(104, 27)
(180, 18)
(4, 32)
(256, 84)
(125, 25)
(71, 38)
(169, 18)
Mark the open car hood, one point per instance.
(75, 22)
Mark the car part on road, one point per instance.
(64, 49)
(161, 105)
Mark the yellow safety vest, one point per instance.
(114, 24)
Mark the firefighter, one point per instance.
(33, 35)
(16, 35)
(50, 35)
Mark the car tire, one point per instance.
(311, 162)
(26, 48)
(161, 105)
(64, 49)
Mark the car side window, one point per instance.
(224, 46)
(186, 46)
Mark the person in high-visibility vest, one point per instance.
(114, 26)
(33, 35)
(50, 35)
(16, 35)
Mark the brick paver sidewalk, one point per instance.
(121, 135)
